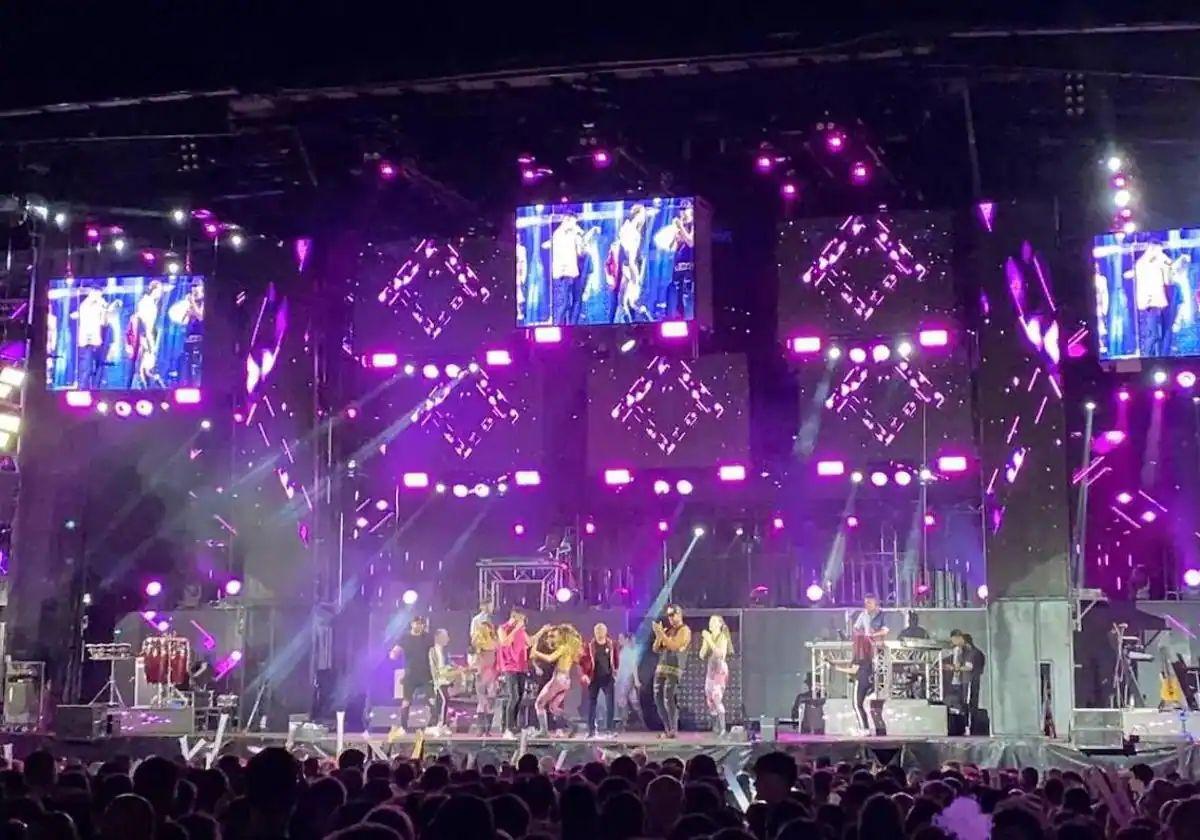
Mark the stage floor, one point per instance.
(912, 753)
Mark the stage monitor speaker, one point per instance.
(383, 718)
(148, 721)
(86, 722)
(767, 729)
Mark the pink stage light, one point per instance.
(788, 189)
(618, 476)
(661, 487)
(806, 344)
(528, 478)
(153, 588)
(851, 521)
(122, 408)
(1124, 497)
(148, 257)
(563, 595)
(982, 592)
(410, 597)
(79, 399)
(233, 586)
(731, 472)
(93, 233)
(860, 173)
(384, 360)
(430, 371)
(923, 588)
(684, 487)
(387, 170)
(519, 529)
(674, 329)
(903, 478)
(814, 592)
(952, 463)
(835, 141)
(187, 396)
(1114, 436)
(1185, 379)
(529, 175)
(163, 626)
(1160, 394)
(547, 335)
(881, 353)
(144, 407)
(663, 526)
(933, 338)
(351, 412)
(930, 520)
(858, 355)
(879, 479)
(415, 480)
(777, 523)
(601, 158)
(1149, 516)
(589, 527)
(764, 163)
(1192, 578)
(831, 468)
(1123, 395)
(498, 358)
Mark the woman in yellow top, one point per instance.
(487, 678)
(566, 646)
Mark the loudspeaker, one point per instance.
(80, 721)
(383, 718)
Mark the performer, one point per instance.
(628, 683)
(716, 644)
(416, 676)
(440, 672)
(868, 629)
(1100, 283)
(1177, 295)
(913, 630)
(681, 289)
(600, 664)
(141, 337)
(487, 678)
(1151, 275)
(512, 660)
(189, 314)
(961, 663)
(566, 647)
(568, 247)
(632, 265)
(670, 643)
(94, 315)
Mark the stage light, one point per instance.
(684, 487)
(482, 490)
(173, 268)
(381, 505)
(925, 474)
(461, 491)
(144, 407)
(1114, 436)
(856, 477)
(122, 408)
(831, 468)
(930, 520)
(982, 592)
(601, 158)
(1130, 227)
(453, 371)
(60, 219)
(806, 344)
(858, 355)
(1090, 405)
(410, 369)
(1124, 498)
(547, 335)
(835, 353)
(212, 228)
(698, 531)
(881, 353)
(237, 241)
(430, 371)
(409, 597)
(860, 173)
(1192, 578)
(589, 527)
(628, 344)
(415, 480)
(661, 487)
(439, 488)
(617, 476)
(233, 586)
(1149, 516)
(148, 257)
(777, 523)
(153, 588)
(235, 656)
(1119, 181)
(952, 463)
(1160, 377)
(851, 521)
(1123, 395)
(179, 216)
(187, 396)
(663, 526)
(102, 407)
(473, 367)
(1185, 379)
(903, 478)
(93, 233)
(498, 358)
(118, 245)
(731, 472)
(384, 360)
(527, 478)
(361, 522)
(814, 592)
(387, 170)
(788, 189)
(1114, 163)
(1160, 394)
(563, 595)
(879, 479)
(764, 163)
(1121, 198)
(529, 175)
(835, 141)
(163, 626)
(933, 338)
(87, 599)
(673, 329)
(904, 349)
(79, 399)
(519, 529)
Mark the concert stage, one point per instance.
(911, 753)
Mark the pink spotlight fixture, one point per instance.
(806, 344)
(663, 526)
(1192, 578)
(933, 338)
(851, 521)
(881, 353)
(835, 141)
(674, 329)
(789, 190)
(618, 476)
(547, 335)
(527, 478)
(384, 360)
(860, 173)
(233, 586)
(519, 529)
(187, 396)
(601, 158)
(144, 407)
(1160, 394)
(858, 355)
(387, 170)
(415, 480)
(982, 592)
(930, 520)
(1124, 497)
(831, 468)
(93, 233)
(1185, 379)
(777, 523)
(79, 399)
(498, 358)
(879, 479)
(563, 595)
(589, 528)
(814, 592)
(1114, 436)
(763, 163)
(731, 472)
(122, 408)
(903, 478)
(952, 463)
(1149, 516)
(154, 588)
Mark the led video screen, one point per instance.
(125, 333)
(611, 262)
(664, 411)
(1147, 301)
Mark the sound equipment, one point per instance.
(164, 721)
(1170, 695)
(85, 722)
(383, 718)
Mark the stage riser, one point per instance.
(902, 718)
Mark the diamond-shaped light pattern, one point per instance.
(497, 410)
(430, 264)
(864, 392)
(665, 378)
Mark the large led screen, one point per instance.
(124, 333)
(1147, 303)
(610, 262)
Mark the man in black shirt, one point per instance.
(913, 630)
(599, 665)
(417, 679)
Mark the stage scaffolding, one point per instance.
(499, 573)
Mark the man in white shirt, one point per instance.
(566, 249)
(144, 329)
(93, 318)
(1151, 275)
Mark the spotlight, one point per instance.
(381, 505)
(410, 369)
(527, 478)
(1149, 516)
(430, 371)
(179, 216)
(806, 344)
(79, 399)
(93, 233)
(154, 588)
(563, 595)
(881, 353)
(1123, 395)
(498, 358)
(628, 345)
(1114, 163)
(1090, 405)
(102, 407)
(860, 173)
(856, 477)
(789, 189)
(601, 158)
(361, 522)
(926, 474)
(673, 329)
(617, 477)
(777, 523)
(1114, 436)
(211, 228)
(814, 592)
(933, 338)
(930, 521)
(739, 531)
(235, 656)
(519, 529)
(387, 170)
(118, 245)
(233, 586)
(187, 396)
(858, 355)
(851, 521)
(879, 479)
(763, 163)
(453, 371)
(731, 472)
(903, 478)
(1129, 227)
(163, 626)
(384, 360)
(835, 141)
(982, 592)
(1160, 394)
(952, 463)
(482, 490)
(698, 531)
(1160, 377)
(589, 527)
(1121, 198)
(172, 268)
(461, 491)
(416, 480)
(1119, 181)
(409, 597)
(1185, 379)
(831, 468)
(206, 425)
(60, 219)
(684, 487)
(144, 407)
(835, 353)
(663, 526)
(122, 408)
(904, 349)
(1192, 578)
(1124, 497)
(547, 335)
(237, 241)
(661, 487)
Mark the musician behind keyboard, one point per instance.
(913, 630)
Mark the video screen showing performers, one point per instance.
(1146, 293)
(125, 333)
(610, 262)
(663, 411)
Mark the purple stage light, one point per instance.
(618, 476)
(409, 597)
(384, 360)
(982, 592)
(860, 173)
(856, 477)
(858, 355)
(528, 478)
(1185, 379)
(589, 527)
(879, 479)
(387, 170)
(547, 335)
(661, 487)
(881, 353)
(851, 521)
(415, 480)
(1149, 516)
(233, 586)
(673, 329)
(806, 344)
(1124, 497)
(831, 468)
(361, 522)
(122, 408)
(777, 523)
(79, 399)
(731, 472)
(923, 589)
(563, 595)
(352, 412)
(498, 358)
(148, 257)
(952, 463)
(903, 478)
(601, 158)
(519, 529)
(1159, 377)
(430, 371)
(663, 526)
(153, 588)
(835, 141)
(163, 626)
(1114, 436)
(144, 407)
(684, 487)
(93, 233)
(1160, 394)
(930, 520)
(764, 163)
(1192, 578)
(529, 175)
(933, 338)
(1123, 395)
(187, 396)
(814, 592)
(788, 189)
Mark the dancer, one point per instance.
(483, 660)
(1151, 273)
(141, 337)
(632, 266)
(566, 647)
(680, 291)
(716, 644)
(440, 673)
(94, 317)
(189, 314)
(416, 677)
(628, 683)
(600, 663)
(670, 643)
(868, 629)
(512, 660)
